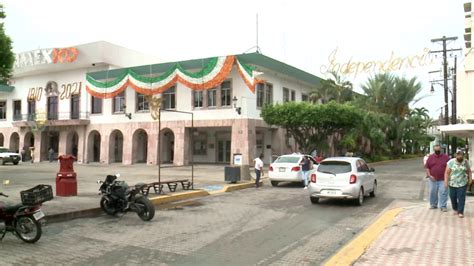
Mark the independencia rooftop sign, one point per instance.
(46, 56)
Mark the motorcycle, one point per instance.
(20, 219)
(118, 197)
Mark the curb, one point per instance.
(159, 200)
(348, 254)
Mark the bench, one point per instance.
(172, 186)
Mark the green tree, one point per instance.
(312, 125)
(7, 57)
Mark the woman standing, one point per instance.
(457, 176)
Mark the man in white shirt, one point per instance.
(258, 169)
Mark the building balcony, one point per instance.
(51, 119)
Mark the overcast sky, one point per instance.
(300, 33)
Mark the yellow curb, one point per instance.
(354, 249)
(179, 196)
(234, 187)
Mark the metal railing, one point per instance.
(52, 116)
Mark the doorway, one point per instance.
(223, 151)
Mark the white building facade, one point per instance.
(89, 103)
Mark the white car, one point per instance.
(343, 178)
(287, 168)
(7, 156)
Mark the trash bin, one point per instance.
(232, 174)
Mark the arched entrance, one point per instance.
(15, 142)
(139, 146)
(93, 146)
(28, 142)
(116, 146)
(1, 140)
(72, 142)
(167, 146)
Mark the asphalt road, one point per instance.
(265, 226)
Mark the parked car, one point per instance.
(343, 178)
(287, 168)
(7, 156)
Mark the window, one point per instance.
(53, 103)
(286, 95)
(264, 94)
(200, 144)
(212, 98)
(141, 103)
(226, 94)
(169, 98)
(119, 103)
(293, 96)
(31, 109)
(198, 99)
(334, 167)
(96, 105)
(304, 97)
(75, 106)
(260, 94)
(3, 110)
(17, 110)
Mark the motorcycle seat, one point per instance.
(12, 208)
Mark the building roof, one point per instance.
(6, 88)
(255, 59)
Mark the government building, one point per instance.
(107, 104)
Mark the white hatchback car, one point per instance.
(287, 168)
(343, 178)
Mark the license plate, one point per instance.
(38, 215)
(282, 169)
(332, 192)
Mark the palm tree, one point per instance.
(334, 88)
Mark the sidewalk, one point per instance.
(208, 178)
(420, 236)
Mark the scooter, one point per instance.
(23, 220)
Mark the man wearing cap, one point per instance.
(435, 168)
(458, 176)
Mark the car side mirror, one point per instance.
(372, 169)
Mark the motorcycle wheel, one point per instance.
(105, 206)
(28, 229)
(3, 232)
(145, 209)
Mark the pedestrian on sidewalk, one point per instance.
(435, 168)
(305, 168)
(32, 154)
(258, 169)
(458, 176)
(51, 154)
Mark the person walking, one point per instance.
(305, 169)
(457, 177)
(32, 154)
(435, 168)
(23, 154)
(258, 169)
(50, 154)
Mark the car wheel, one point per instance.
(314, 200)
(360, 198)
(15, 162)
(274, 183)
(374, 191)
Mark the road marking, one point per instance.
(354, 249)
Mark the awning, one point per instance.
(458, 130)
(6, 88)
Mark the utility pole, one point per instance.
(454, 119)
(444, 41)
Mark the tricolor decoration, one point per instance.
(210, 76)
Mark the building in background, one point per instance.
(84, 101)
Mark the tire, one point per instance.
(374, 191)
(105, 206)
(274, 183)
(28, 229)
(3, 231)
(314, 200)
(15, 163)
(146, 210)
(360, 198)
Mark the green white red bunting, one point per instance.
(210, 76)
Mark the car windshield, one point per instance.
(334, 167)
(288, 159)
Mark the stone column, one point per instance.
(127, 145)
(104, 147)
(181, 148)
(243, 140)
(81, 142)
(62, 145)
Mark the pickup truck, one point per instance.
(7, 156)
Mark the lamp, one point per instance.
(237, 109)
(432, 89)
(129, 115)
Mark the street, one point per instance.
(277, 226)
